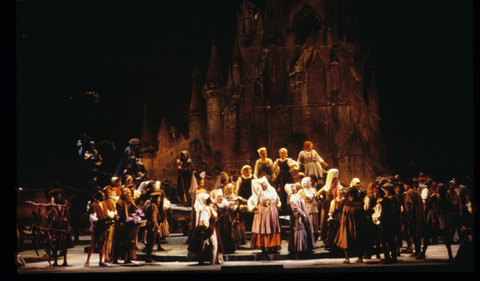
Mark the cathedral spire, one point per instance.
(273, 23)
(214, 78)
(163, 138)
(237, 55)
(196, 126)
(230, 85)
(195, 101)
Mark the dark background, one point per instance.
(132, 52)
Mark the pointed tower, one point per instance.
(246, 23)
(196, 118)
(214, 94)
(146, 139)
(237, 73)
(163, 138)
(273, 23)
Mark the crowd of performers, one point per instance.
(351, 218)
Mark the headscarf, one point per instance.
(246, 167)
(186, 159)
(332, 173)
(257, 190)
(215, 193)
(284, 149)
(194, 182)
(260, 151)
(201, 201)
(114, 180)
(307, 185)
(295, 198)
(354, 181)
(223, 175)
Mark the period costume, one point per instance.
(311, 163)
(362, 192)
(224, 224)
(326, 196)
(373, 229)
(111, 209)
(263, 168)
(351, 233)
(98, 215)
(185, 173)
(152, 215)
(205, 243)
(308, 194)
(334, 220)
(438, 221)
(386, 217)
(283, 176)
(238, 223)
(301, 237)
(266, 225)
(244, 190)
(125, 232)
(244, 185)
(127, 154)
(415, 216)
(194, 191)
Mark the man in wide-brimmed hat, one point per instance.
(127, 154)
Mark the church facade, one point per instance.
(296, 73)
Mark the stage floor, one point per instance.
(173, 259)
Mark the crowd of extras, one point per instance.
(389, 217)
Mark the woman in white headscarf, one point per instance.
(263, 166)
(222, 181)
(197, 186)
(266, 232)
(308, 194)
(301, 237)
(326, 195)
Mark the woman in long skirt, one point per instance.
(282, 175)
(308, 194)
(334, 217)
(266, 231)
(326, 195)
(301, 237)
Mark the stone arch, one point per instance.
(306, 20)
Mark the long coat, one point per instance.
(351, 233)
(414, 213)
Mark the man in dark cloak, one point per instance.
(127, 154)
(185, 172)
(351, 234)
(414, 214)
